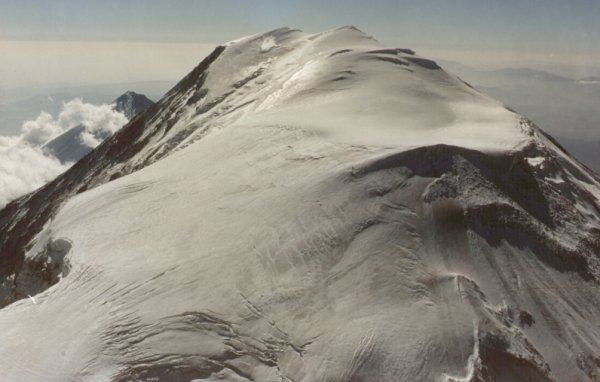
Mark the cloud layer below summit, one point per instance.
(25, 166)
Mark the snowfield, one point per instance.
(309, 207)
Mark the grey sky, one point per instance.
(78, 41)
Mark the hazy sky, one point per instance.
(80, 41)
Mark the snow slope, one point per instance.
(309, 207)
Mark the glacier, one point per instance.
(309, 207)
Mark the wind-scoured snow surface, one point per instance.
(309, 207)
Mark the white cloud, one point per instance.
(89, 139)
(24, 166)
(40, 130)
(97, 119)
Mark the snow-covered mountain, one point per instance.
(70, 145)
(79, 140)
(309, 207)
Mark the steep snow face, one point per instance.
(309, 208)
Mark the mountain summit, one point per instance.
(131, 104)
(309, 207)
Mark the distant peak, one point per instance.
(130, 93)
(131, 103)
